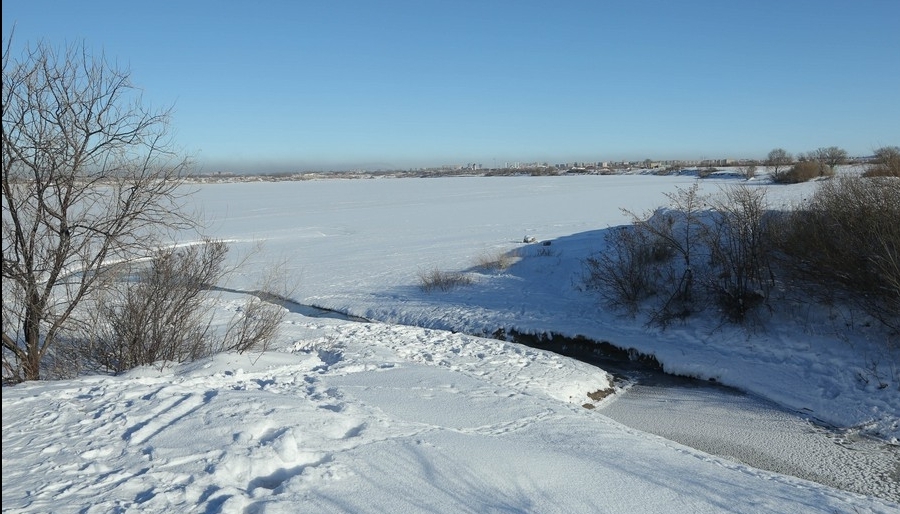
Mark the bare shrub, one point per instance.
(626, 272)
(886, 164)
(845, 241)
(739, 242)
(724, 246)
(163, 312)
(435, 279)
(252, 328)
(803, 171)
(652, 257)
(842, 245)
(678, 229)
(498, 261)
(257, 322)
(158, 315)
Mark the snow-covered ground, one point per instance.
(384, 417)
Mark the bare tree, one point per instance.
(778, 161)
(886, 163)
(90, 178)
(831, 156)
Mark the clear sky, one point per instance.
(341, 84)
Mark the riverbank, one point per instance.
(729, 423)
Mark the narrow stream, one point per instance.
(719, 420)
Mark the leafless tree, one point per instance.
(886, 163)
(831, 156)
(778, 161)
(90, 178)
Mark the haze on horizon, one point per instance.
(299, 86)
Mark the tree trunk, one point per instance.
(31, 361)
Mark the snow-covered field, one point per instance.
(386, 417)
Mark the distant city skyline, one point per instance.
(295, 86)
(288, 167)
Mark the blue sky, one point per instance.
(290, 85)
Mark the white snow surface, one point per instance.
(342, 416)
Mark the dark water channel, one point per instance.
(719, 420)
